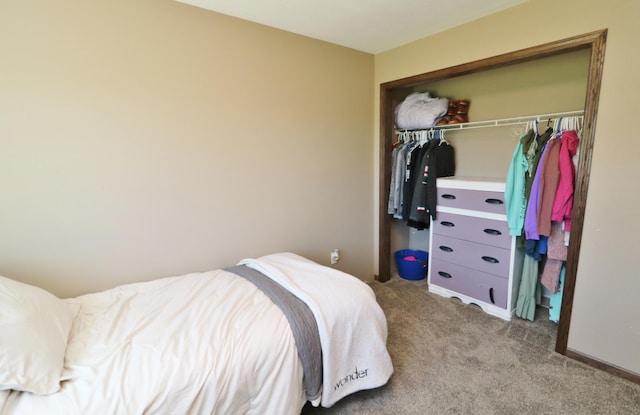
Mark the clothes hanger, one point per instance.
(421, 137)
(442, 139)
(528, 127)
(559, 127)
(398, 139)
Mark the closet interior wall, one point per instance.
(525, 82)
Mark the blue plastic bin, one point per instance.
(412, 269)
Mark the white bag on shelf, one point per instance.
(420, 110)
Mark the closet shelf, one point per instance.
(501, 122)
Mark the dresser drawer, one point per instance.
(481, 200)
(466, 281)
(482, 230)
(484, 258)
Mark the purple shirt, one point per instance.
(531, 217)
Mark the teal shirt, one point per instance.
(514, 193)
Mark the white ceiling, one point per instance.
(371, 26)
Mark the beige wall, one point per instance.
(142, 139)
(604, 322)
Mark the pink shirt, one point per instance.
(563, 203)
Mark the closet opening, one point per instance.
(592, 47)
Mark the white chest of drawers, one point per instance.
(472, 256)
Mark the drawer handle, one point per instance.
(444, 274)
(448, 196)
(492, 201)
(491, 295)
(492, 232)
(446, 248)
(490, 259)
(448, 224)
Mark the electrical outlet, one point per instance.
(335, 256)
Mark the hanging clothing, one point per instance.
(563, 203)
(551, 274)
(555, 301)
(514, 193)
(412, 165)
(398, 170)
(548, 185)
(536, 249)
(531, 215)
(393, 190)
(441, 164)
(555, 164)
(413, 172)
(437, 161)
(534, 152)
(556, 256)
(419, 211)
(529, 294)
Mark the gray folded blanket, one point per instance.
(303, 325)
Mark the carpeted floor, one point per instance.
(452, 358)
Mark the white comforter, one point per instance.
(208, 343)
(212, 343)
(352, 326)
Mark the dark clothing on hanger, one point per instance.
(442, 164)
(541, 142)
(438, 161)
(419, 209)
(413, 171)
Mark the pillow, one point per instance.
(34, 326)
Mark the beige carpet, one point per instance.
(452, 358)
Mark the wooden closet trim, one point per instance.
(595, 41)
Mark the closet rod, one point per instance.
(502, 122)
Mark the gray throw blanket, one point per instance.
(303, 325)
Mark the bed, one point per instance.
(217, 342)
